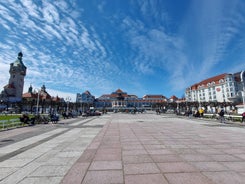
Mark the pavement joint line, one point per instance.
(103, 132)
(207, 143)
(82, 122)
(24, 142)
(22, 149)
(23, 135)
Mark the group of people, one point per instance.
(222, 116)
(27, 120)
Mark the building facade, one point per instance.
(12, 92)
(120, 99)
(85, 97)
(40, 101)
(221, 88)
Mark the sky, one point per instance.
(139, 46)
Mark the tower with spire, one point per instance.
(14, 89)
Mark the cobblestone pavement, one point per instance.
(124, 149)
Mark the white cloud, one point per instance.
(32, 9)
(63, 51)
(50, 13)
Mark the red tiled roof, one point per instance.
(209, 80)
(119, 91)
(173, 97)
(154, 96)
(29, 95)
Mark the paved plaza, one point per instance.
(124, 149)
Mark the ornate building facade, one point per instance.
(40, 100)
(221, 88)
(12, 92)
(120, 99)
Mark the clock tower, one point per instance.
(14, 89)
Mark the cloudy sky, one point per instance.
(140, 46)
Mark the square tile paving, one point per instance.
(188, 178)
(149, 149)
(105, 165)
(226, 177)
(145, 179)
(103, 177)
(176, 167)
(141, 168)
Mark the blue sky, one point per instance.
(140, 46)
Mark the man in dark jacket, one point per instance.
(221, 114)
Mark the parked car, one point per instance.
(92, 113)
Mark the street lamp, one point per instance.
(68, 99)
(243, 89)
(38, 92)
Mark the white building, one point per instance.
(221, 88)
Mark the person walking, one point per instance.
(222, 117)
(243, 116)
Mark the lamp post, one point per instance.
(243, 89)
(68, 99)
(38, 92)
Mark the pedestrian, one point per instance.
(243, 116)
(221, 114)
(201, 112)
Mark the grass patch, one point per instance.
(9, 116)
(11, 121)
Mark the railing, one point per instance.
(228, 117)
(11, 123)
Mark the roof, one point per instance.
(154, 96)
(29, 95)
(173, 97)
(119, 91)
(87, 92)
(209, 80)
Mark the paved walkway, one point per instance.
(125, 148)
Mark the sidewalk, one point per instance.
(150, 149)
(129, 149)
(46, 157)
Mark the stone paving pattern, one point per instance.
(131, 149)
